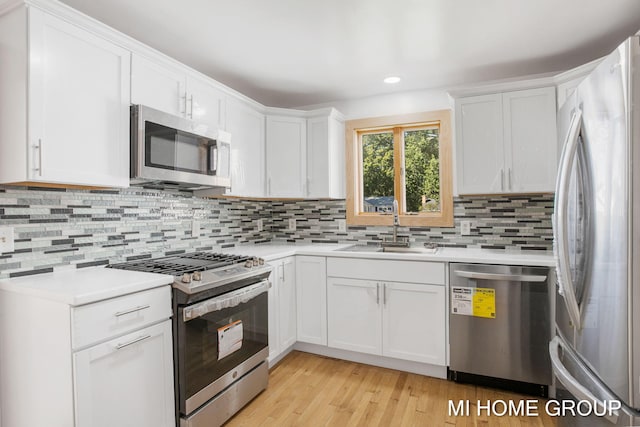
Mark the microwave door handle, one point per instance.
(560, 233)
(213, 158)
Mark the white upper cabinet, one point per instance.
(206, 103)
(305, 154)
(286, 156)
(64, 109)
(530, 140)
(479, 144)
(246, 126)
(158, 86)
(172, 89)
(506, 142)
(325, 156)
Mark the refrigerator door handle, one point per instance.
(560, 236)
(572, 385)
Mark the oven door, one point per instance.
(219, 340)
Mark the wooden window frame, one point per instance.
(353, 159)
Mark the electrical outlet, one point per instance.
(342, 225)
(6, 239)
(465, 228)
(195, 228)
(292, 224)
(260, 225)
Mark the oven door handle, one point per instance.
(229, 300)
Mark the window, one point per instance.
(403, 158)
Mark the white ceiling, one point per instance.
(288, 53)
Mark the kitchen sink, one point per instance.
(410, 250)
(361, 248)
(431, 249)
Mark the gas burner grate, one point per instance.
(180, 264)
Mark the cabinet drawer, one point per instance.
(102, 320)
(387, 270)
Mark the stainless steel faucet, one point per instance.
(396, 221)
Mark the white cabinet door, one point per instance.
(413, 326)
(246, 126)
(325, 157)
(205, 103)
(79, 91)
(274, 318)
(127, 381)
(287, 303)
(506, 142)
(530, 140)
(354, 315)
(479, 145)
(282, 307)
(158, 86)
(286, 156)
(311, 292)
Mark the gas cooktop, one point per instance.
(200, 271)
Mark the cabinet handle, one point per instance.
(502, 179)
(510, 179)
(131, 310)
(269, 186)
(126, 344)
(384, 294)
(191, 107)
(183, 107)
(282, 267)
(39, 148)
(378, 293)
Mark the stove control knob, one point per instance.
(248, 263)
(260, 261)
(186, 278)
(255, 262)
(197, 276)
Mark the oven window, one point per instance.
(205, 360)
(172, 149)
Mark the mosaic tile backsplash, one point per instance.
(80, 228)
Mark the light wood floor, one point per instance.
(309, 390)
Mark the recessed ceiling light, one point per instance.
(392, 80)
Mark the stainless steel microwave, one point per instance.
(166, 149)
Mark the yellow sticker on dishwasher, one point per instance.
(484, 303)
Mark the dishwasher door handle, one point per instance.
(498, 276)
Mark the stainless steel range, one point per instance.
(220, 331)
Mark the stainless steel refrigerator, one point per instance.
(596, 352)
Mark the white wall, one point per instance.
(390, 104)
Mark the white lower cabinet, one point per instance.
(65, 366)
(311, 299)
(354, 315)
(413, 322)
(369, 312)
(126, 381)
(282, 307)
(401, 320)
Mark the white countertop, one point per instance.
(274, 251)
(85, 285)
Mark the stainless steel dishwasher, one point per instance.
(500, 326)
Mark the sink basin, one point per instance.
(361, 248)
(409, 250)
(391, 249)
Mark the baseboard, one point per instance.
(368, 359)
